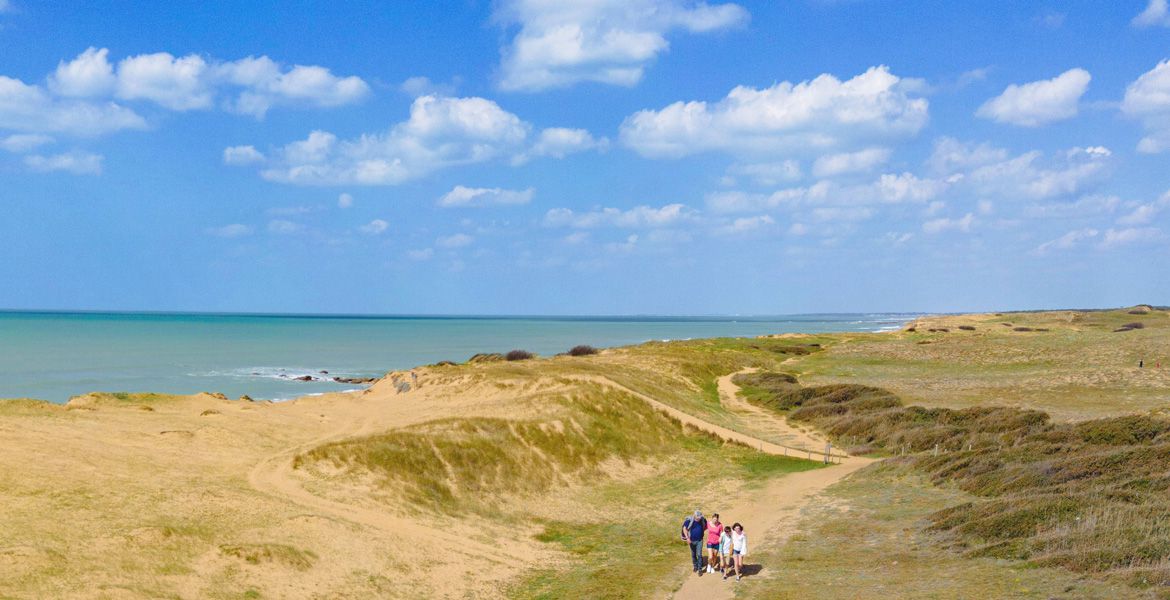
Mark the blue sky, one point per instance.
(584, 157)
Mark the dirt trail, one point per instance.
(767, 421)
(770, 515)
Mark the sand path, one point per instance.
(767, 421)
(770, 515)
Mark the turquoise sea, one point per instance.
(54, 356)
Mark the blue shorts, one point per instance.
(712, 546)
(735, 552)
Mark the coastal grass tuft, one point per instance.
(519, 355)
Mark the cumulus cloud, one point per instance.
(250, 85)
(768, 173)
(1039, 102)
(746, 224)
(75, 162)
(242, 155)
(636, 217)
(850, 162)
(24, 142)
(441, 132)
(1067, 241)
(90, 74)
(375, 227)
(558, 44)
(233, 230)
(1156, 14)
(821, 115)
(457, 240)
(31, 108)
(963, 224)
(1148, 99)
(990, 171)
(468, 196)
(266, 83)
(559, 142)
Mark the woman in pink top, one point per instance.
(714, 530)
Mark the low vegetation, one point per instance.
(1091, 496)
(582, 350)
(460, 464)
(519, 355)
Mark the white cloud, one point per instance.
(283, 227)
(1067, 241)
(423, 86)
(850, 162)
(440, 133)
(266, 84)
(746, 224)
(242, 155)
(420, 254)
(636, 217)
(233, 230)
(812, 116)
(841, 214)
(629, 245)
(559, 142)
(1148, 99)
(375, 227)
(944, 224)
(175, 83)
(991, 171)
(562, 43)
(457, 240)
(1156, 14)
(1133, 235)
(1145, 213)
(951, 155)
(250, 85)
(1085, 206)
(75, 162)
(344, 201)
(1039, 102)
(32, 109)
(466, 196)
(770, 173)
(908, 188)
(90, 74)
(23, 142)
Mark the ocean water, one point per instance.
(54, 356)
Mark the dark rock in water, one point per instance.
(304, 378)
(255, 373)
(360, 380)
(323, 372)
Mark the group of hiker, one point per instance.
(725, 546)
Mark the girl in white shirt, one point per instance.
(738, 548)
